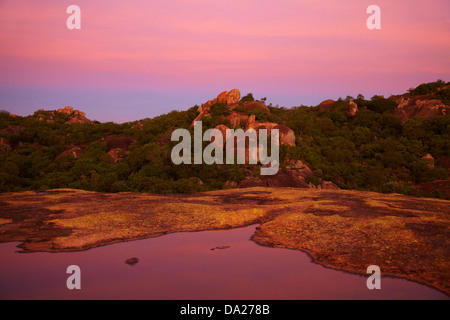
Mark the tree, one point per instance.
(248, 97)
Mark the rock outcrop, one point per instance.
(225, 97)
(243, 119)
(75, 116)
(352, 109)
(422, 106)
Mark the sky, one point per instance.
(137, 59)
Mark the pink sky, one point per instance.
(139, 58)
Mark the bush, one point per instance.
(381, 105)
(248, 97)
(427, 88)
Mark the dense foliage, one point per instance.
(373, 150)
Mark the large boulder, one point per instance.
(229, 97)
(233, 96)
(287, 136)
(325, 105)
(352, 109)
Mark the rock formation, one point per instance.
(352, 109)
(423, 106)
(325, 105)
(76, 116)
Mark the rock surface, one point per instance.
(421, 106)
(325, 105)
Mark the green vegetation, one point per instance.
(427, 88)
(373, 150)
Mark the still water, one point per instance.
(183, 266)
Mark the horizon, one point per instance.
(137, 60)
(197, 104)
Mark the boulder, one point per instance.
(325, 105)
(229, 97)
(233, 96)
(237, 119)
(223, 97)
(66, 110)
(352, 109)
(287, 136)
(261, 125)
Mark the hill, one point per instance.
(398, 144)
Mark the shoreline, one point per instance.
(339, 229)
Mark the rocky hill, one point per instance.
(397, 144)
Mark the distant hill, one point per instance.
(397, 144)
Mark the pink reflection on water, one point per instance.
(183, 266)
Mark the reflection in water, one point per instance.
(183, 266)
